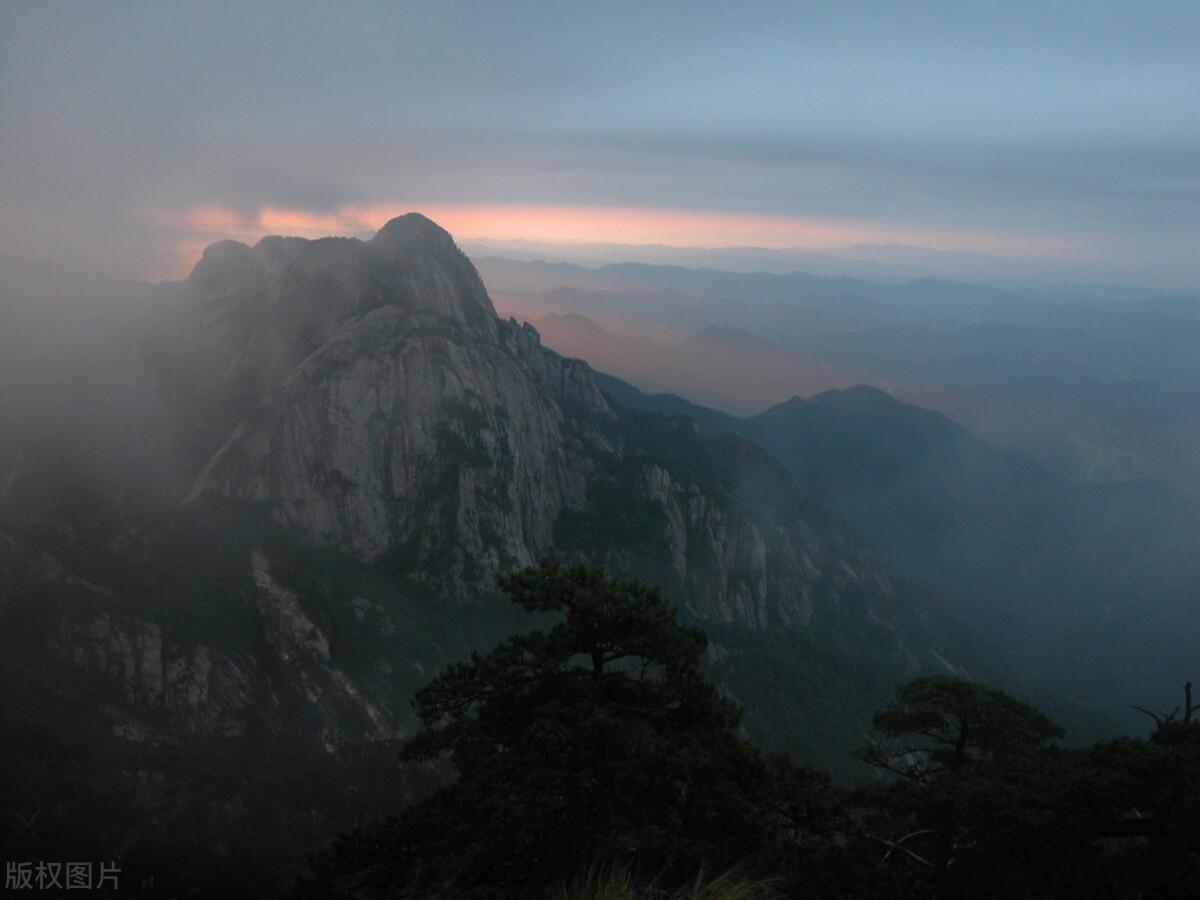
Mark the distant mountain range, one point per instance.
(1046, 277)
(1097, 389)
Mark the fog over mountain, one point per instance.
(224, 500)
(1077, 581)
(250, 510)
(626, 451)
(1072, 539)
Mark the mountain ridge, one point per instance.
(365, 445)
(1045, 568)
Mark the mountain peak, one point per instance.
(293, 286)
(413, 231)
(863, 396)
(865, 400)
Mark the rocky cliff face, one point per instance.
(371, 447)
(417, 425)
(414, 421)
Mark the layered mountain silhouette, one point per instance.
(1089, 587)
(1101, 389)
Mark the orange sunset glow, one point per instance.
(577, 224)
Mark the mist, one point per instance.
(827, 370)
(1095, 387)
(84, 428)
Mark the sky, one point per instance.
(132, 135)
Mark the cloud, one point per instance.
(1074, 126)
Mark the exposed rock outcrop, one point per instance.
(371, 447)
(417, 424)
